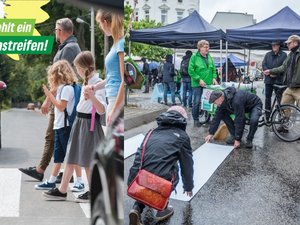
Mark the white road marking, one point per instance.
(10, 183)
(132, 144)
(207, 159)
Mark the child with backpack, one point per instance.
(61, 77)
(86, 134)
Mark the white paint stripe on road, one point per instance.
(207, 159)
(132, 144)
(10, 186)
(86, 208)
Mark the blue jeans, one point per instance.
(61, 138)
(254, 118)
(197, 92)
(169, 86)
(187, 88)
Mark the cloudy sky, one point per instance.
(261, 9)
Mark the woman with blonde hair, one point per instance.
(112, 24)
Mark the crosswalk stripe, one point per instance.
(131, 144)
(10, 183)
(207, 159)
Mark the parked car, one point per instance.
(107, 178)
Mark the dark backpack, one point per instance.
(77, 93)
(184, 67)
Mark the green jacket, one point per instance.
(294, 82)
(199, 70)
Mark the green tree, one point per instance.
(148, 51)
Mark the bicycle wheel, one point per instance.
(286, 122)
(204, 117)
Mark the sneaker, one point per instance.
(78, 187)
(164, 214)
(55, 194)
(45, 186)
(31, 171)
(248, 144)
(230, 140)
(135, 216)
(85, 197)
(59, 178)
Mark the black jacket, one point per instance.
(168, 144)
(272, 60)
(237, 102)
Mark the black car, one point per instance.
(107, 178)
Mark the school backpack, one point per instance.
(77, 93)
(184, 66)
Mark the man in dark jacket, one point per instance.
(291, 69)
(237, 102)
(146, 72)
(273, 59)
(186, 79)
(168, 74)
(67, 50)
(168, 144)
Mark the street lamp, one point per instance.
(92, 29)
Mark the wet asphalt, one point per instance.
(258, 186)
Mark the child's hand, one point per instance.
(88, 92)
(46, 90)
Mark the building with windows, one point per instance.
(164, 11)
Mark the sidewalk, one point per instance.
(141, 110)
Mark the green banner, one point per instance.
(26, 45)
(16, 27)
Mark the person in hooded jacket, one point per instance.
(168, 74)
(168, 144)
(186, 79)
(237, 102)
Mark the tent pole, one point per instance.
(248, 61)
(244, 60)
(226, 60)
(220, 60)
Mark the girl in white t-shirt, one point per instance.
(86, 134)
(61, 76)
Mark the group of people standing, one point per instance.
(74, 142)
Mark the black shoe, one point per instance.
(248, 144)
(31, 171)
(197, 123)
(173, 104)
(55, 194)
(281, 129)
(135, 216)
(85, 197)
(165, 214)
(230, 140)
(59, 178)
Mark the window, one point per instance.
(136, 16)
(179, 15)
(179, 1)
(147, 14)
(164, 16)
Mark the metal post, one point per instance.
(92, 29)
(0, 123)
(221, 61)
(226, 61)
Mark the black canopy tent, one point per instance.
(182, 34)
(259, 36)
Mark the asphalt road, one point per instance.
(259, 186)
(22, 143)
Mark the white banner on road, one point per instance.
(10, 183)
(207, 159)
(132, 144)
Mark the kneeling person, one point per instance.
(237, 102)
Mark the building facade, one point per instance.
(163, 11)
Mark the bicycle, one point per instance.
(284, 119)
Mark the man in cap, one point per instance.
(167, 145)
(291, 70)
(273, 59)
(237, 102)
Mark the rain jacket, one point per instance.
(291, 78)
(198, 69)
(168, 144)
(237, 103)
